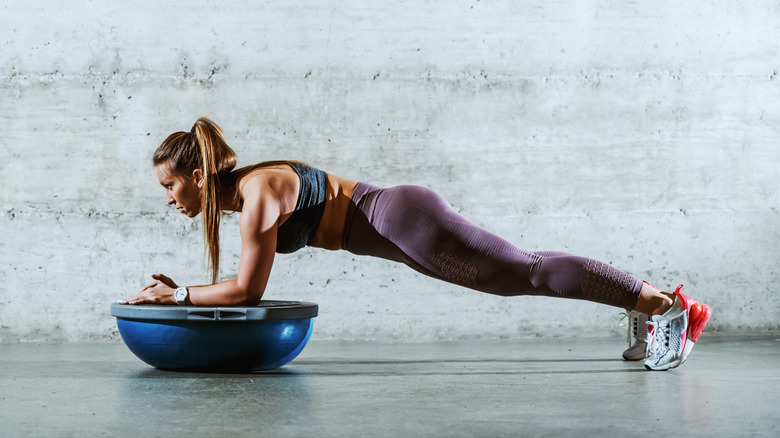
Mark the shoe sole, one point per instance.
(700, 315)
(666, 367)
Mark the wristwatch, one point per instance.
(181, 295)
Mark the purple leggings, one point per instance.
(416, 226)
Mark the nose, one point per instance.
(170, 199)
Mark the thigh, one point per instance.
(440, 242)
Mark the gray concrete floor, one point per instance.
(728, 387)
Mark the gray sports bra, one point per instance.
(298, 230)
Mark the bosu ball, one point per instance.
(216, 339)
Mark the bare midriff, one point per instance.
(330, 232)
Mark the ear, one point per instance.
(197, 174)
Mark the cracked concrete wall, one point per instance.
(643, 135)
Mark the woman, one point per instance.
(288, 205)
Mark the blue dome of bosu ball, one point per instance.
(216, 339)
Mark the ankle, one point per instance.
(666, 300)
(653, 301)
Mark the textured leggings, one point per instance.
(416, 226)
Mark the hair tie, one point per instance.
(192, 131)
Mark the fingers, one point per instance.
(139, 298)
(137, 301)
(158, 292)
(150, 286)
(165, 279)
(127, 301)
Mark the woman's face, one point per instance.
(181, 192)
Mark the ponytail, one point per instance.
(204, 148)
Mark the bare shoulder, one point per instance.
(275, 184)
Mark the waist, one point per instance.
(361, 195)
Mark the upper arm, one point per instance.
(258, 223)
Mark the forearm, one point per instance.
(259, 218)
(224, 293)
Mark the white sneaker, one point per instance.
(637, 335)
(671, 336)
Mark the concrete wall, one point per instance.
(643, 134)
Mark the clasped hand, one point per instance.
(159, 292)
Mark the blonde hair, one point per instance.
(204, 148)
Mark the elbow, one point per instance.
(246, 297)
(252, 300)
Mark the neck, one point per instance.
(230, 201)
